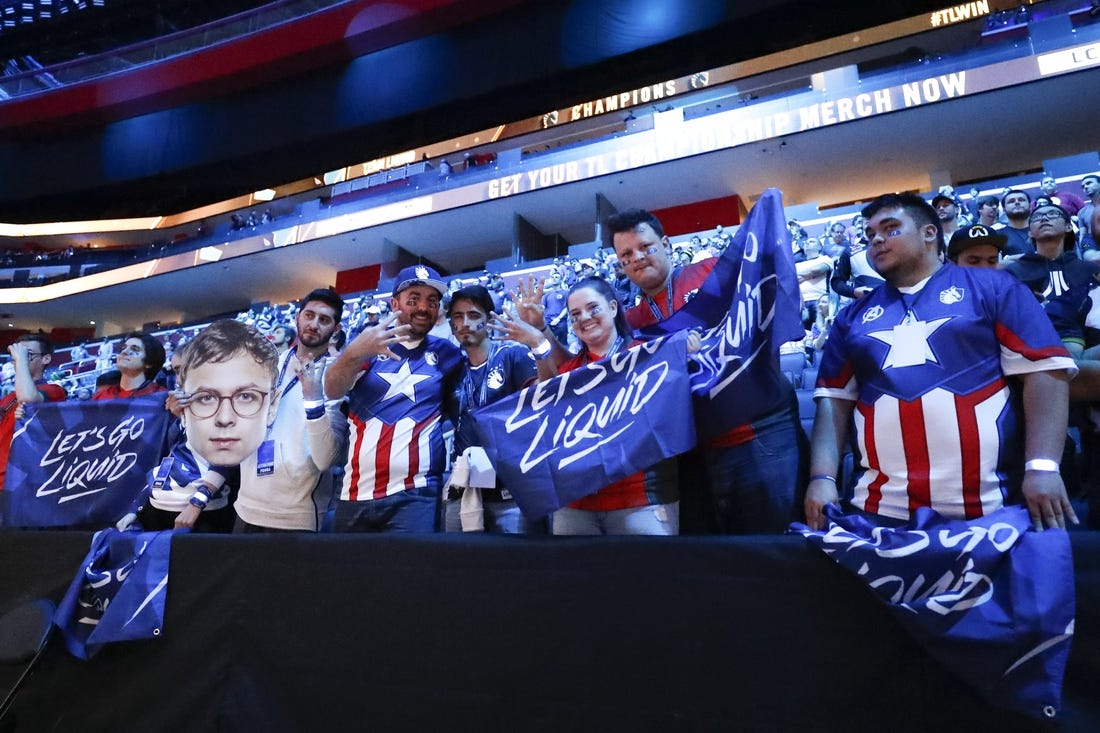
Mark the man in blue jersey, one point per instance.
(399, 380)
(492, 370)
(921, 369)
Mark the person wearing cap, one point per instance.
(1054, 267)
(948, 211)
(976, 246)
(400, 381)
(988, 208)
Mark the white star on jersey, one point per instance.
(902, 354)
(402, 382)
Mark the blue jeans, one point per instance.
(756, 486)
(501, 517)
(659, 519)
(413, 510)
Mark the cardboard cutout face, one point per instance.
(231, 404)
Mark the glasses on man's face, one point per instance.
(32, 354)
(581, 315)
(1047, 216)
(625, 258)
(246, 403)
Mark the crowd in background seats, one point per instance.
(828, 261)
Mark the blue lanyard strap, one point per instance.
(668, 301)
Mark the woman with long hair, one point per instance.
(646, 502)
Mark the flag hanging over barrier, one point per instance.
(119, 592)
(566, 438)
(990, 599)
(81, 463)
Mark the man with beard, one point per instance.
(399, 380)
(307, 435)
(282, 337)
(1017, 207)
(948, 211)
(492, 370)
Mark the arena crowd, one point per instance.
(354, 414)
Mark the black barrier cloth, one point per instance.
(290, 633)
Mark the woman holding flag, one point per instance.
(646, 502)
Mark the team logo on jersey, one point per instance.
(952, 295)
(872, 314)
(422, 273)
(431, 358)
(690, 294)
(495, 380)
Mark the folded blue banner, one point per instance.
(566, 438)
(751, 305)
(990, 599)
(82, 463)
(119, 592)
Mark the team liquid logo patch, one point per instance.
(422, 273)
(952, 295)
(495, 380)
(690, 294)
(872, 314)
(431, 358)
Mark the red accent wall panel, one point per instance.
(361, 278)
(700, 215)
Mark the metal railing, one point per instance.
(125, 58)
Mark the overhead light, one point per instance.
(265, 195)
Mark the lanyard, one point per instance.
(653, 307)
(282, 373)
(468, 389)
(614, 348)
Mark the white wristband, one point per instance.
(542, 349)
(1042, 464)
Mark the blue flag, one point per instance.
(990, 599)
(750, 304)
(80, 463)
(119, 592)
(563, 439)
